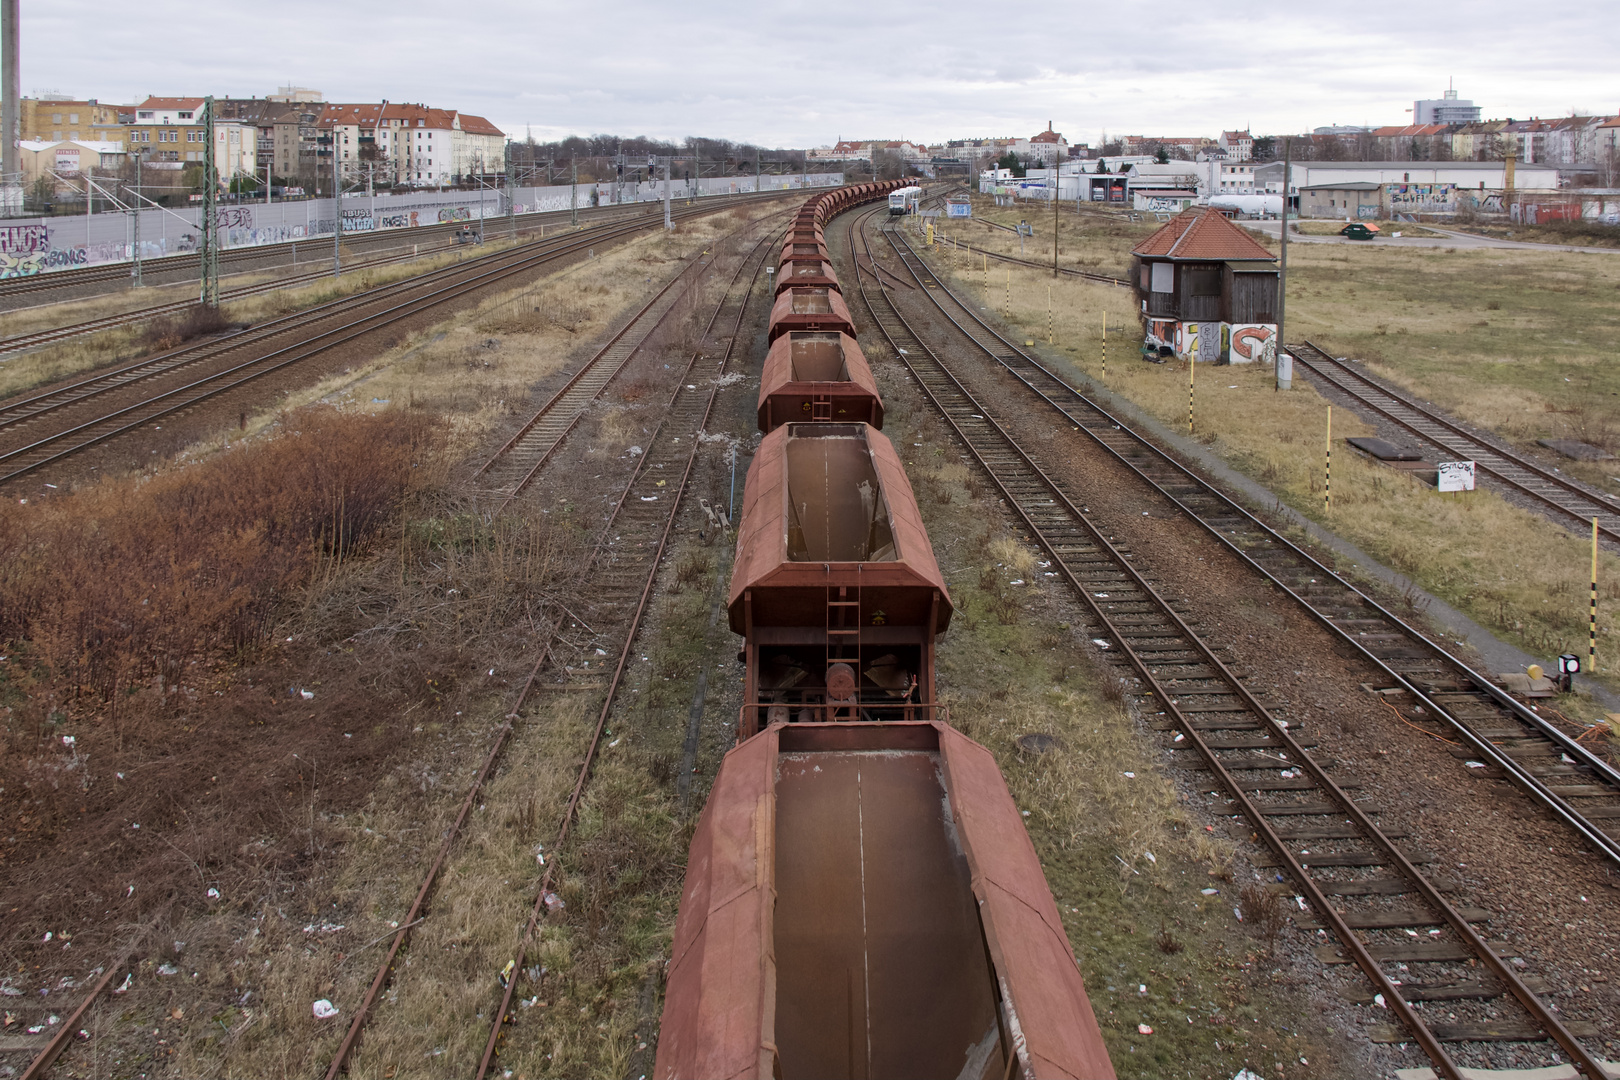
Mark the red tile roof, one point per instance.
(477, 125)
(1201, 234)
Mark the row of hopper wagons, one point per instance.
(861, 897)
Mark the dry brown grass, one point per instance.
(127, 580)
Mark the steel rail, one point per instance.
(58, 1042)
(1492, 460)
(604, 379)
(129, 318)
(385, 971)
(14, 412)
(1045, 384)
(989, 433)
(399, 311)
(492, 1045)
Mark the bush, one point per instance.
(134, 578)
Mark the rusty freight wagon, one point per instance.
(862, 900)
(811, 271)
(811, 375)
(835, 589)
(817, 307)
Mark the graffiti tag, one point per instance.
(457, 213)
(16, 239)
(1250, 342)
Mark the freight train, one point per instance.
(861, 897)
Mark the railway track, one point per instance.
(319, 330)
(1442, 695)
(1565, 501)
(24, 342)
(515, 465)
(1384, 913)
(622, 570)
(625, 558)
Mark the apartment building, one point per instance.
(55, 119)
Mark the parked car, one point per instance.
(1357, 230)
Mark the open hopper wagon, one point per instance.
(812, 375)
(810, 308)
(835, 589)
(862, 901)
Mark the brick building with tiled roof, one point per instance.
(1206, 291)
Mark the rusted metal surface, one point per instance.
(810, 309)
(812, 272)
(837, 869)
(817, 376)
(902, 583)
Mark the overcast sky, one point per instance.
(804, 74)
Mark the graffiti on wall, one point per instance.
(455, 213)
(233, 217)
(404, 219)
(18, 239)
(358, 221)
(1421, 198)
(1200, 340)
(1253, 343)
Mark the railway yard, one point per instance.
(370, 667)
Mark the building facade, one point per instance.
(1447, 109)
(52, 119)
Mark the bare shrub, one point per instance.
(198, 322)
(692, 570)
(128, 580)
(1167, 942)
(1263, 911)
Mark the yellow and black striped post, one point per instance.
(1105, 343)
(1192, 366)
(1050, 326)
(1591, 638)
(1006, 300)
(986, 282)
(1327, 465)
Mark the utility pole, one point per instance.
(210, 211)
(337, 209)
(1057, 181)
(573, 194)
(11, 92)
(668, 163)
(1282, 270)
(511, 203)
(139, 157)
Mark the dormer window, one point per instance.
(144, 115)
(184, 115)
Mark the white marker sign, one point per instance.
(1456, 475)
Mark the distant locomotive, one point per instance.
(861, 897)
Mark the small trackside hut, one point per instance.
(1207, 291)
(835, 590)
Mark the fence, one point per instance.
(30, 246)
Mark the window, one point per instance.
(56, 118)
(73, 118)
(1203, 281)
(1164, 277)
(145, 115)
(184, 115)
